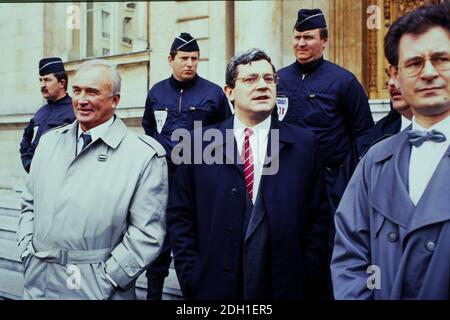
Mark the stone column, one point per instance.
(259, 24)
(141, 42)
(346, 35)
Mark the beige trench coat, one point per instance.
(91, 223)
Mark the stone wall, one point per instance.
(31, 31)
(22, 46)
(206, 21)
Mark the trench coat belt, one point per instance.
(64, 257)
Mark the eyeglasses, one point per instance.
(413, 67)
(251, 79)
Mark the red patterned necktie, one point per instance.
(247, 158)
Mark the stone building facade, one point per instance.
(137, 36)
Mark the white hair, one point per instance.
(115, 76)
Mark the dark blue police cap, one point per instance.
(50, 65)
(185, 42)
(309, 19)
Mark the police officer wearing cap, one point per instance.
(176, 103)
(320, 95)
(57, 111)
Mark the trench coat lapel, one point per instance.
(434, 205)
(257, 215)
(228, 145)
(70, 141)
(111, 137)
(278, 138)
(115, 133)
(390, 193)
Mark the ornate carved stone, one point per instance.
(392, 10)
(372, 58)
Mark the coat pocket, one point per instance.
(26, 261)
(321, 110)
(201, 113)
(105, 286)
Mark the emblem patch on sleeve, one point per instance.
(282, 106)
(160, 117)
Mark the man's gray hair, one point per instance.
(115, 76)
(245, 57)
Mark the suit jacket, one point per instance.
(378, 225)
(206, 218)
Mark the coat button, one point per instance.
(392, 236)
(230, 229)
(226, 269)
(233, 191)
(430, 245)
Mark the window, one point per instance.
(131, 5)
(127, 31)
(90, 29)
(106, 24)
(110, 28)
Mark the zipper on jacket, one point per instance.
(179, 103)
(303, 76)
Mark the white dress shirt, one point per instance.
(94, 132)
(258, 143)
(425, 159)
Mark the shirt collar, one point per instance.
(97, 131)
(261, 129)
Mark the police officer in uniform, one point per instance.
(398, 118)
(176, 103)
(320, 95)
(56, 112)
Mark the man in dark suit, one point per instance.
(393, 223)
(253, 223)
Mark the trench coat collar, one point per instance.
(390, 193)
(71, 137)
(112, 136)
(115, 133)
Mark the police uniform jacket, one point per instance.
(91, 216)
(53, 114)
(329, 100)
(173, 104)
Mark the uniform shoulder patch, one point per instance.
(160, 151)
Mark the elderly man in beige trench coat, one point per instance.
(93, 211)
